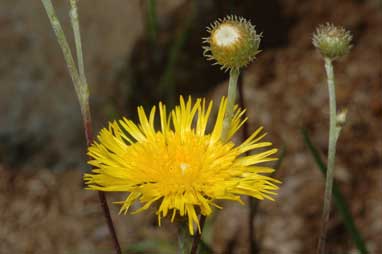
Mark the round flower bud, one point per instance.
(233, 42)
(332, 41)
(341, 118)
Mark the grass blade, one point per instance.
(152, 21)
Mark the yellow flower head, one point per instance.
(180, 167)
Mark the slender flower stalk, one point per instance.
(332, 42)
(339, 199)
(253, 204)
(233, 43)
(74, 20)
(231, 99)
(182, 238)
(331, 155)
(62, 41)
(197, 237)
(81, 87)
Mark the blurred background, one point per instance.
(137, 55)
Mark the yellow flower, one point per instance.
(180, 167)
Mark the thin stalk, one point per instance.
(231, 98)
(87, 122)
(77, 38)
(253, 204)
(197, 236)
(331, 157)
(84, 88)
(81, 88)
(62, 41)
(339, 199)
(182, 236)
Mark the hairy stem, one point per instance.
(62, 41)
(339, 199)
(77, 38)
(81, 88)
(231, 98)
(331, 157)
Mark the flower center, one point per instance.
(226, 35)
(183, 167)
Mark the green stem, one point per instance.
(331, 156)
(84, 88)
(182, 236)
(81, 88)
(77, 38)
(62, 41)
(197, 236)
(231, 98)
(339, 199)
(253, 204)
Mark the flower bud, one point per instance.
(233, 42)
(341, 118)
(332, 41)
